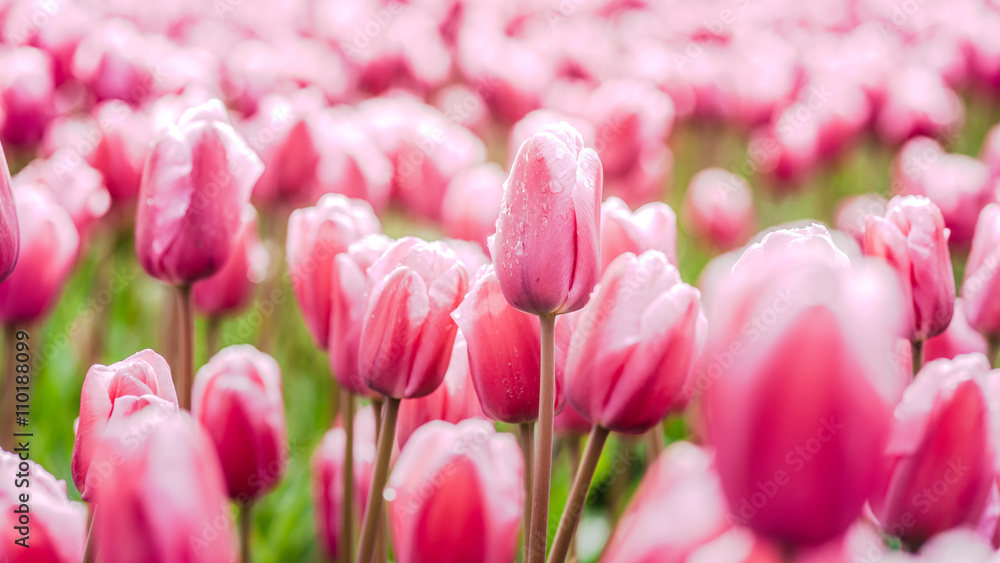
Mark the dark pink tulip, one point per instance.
(959, 338)
(682, 486)
(121, 148)
(27, 94)
(546, 248)
(467, 475)
(280, 132)
(237, 399)
(453, 401)
(918, 102)
(349, 294)
(739, 545)
(651, 227)
(840, 110)
(531, 123)
(141, 375)
(197, 180)
(912, 238)
(981, 288)
(635, 344)
(504, 352)
(316, 235)
(959, 185)
(648, 180)
(327, 467)
(232, 288)
(787, 148)
(10, 234)
(718, 208)
(116, 61)
(940, 458)
(627, 114)
(472, 203)
(350, 161)
(799, 385)
(168, 500)
(48, 249)
(55, 528)
(78, 188)
(408, 331)
(852, 214)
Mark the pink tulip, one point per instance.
(115, 61)
(648, 180)
(232, 288)
(472, 203)
(852, 213)
(141, 375)
(122, 145)
(197, 180)
(48, 248)
(546, 248)
(453, 401)
(532, 122)
(168, 500)
(959, 338)
(504, 352)
(27, 92)
(327, 469)
(651, 227)
(787, 148)
(316, 235)
(681, 487)
(918, 102)
(981, 287)
(78, 188)
(466, 475)
(350, 161)
(10, 236)
(798, 384)
(349, 293)
(280, 132)
(959, 185)
(43, 525)
(913, 240)
(237, 399)
(635, 344)
(627, 115)
(408, 331)
(939, 462)
(739, 545)
(989, 152)
(718, 208)
(569, 422)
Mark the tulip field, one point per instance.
(486, 281)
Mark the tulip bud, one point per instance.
(627, 114)
(232, 288)
(652, 227)
(76, 187)
(718, 207)
(121, 151)
(349, 293)
(853, 212)
(981, 288)
(194, 188)
(467, 475)
(237, 398)
(316, 235)
(939, 462)
(48, 249)
(140, 375)
(472, 203)
(912, 238)
(546, 248)
(453, 401)
(327, 469)
(168, 502)
(635, 344)
(504, 352)
(350, 161)
(535, 120)
(9, 231)
(959, 338)
(42, 523)
(408, 331)
(28, 93)
(918, 102)
(681, 486)
(801, 384)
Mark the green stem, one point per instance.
(993, 349)
(527, 449)
(347, 505)
(578, 494)
(373, 508)
(543, 447)
(917, 349)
